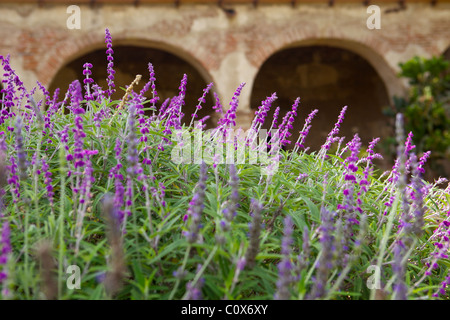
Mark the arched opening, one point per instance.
(131, 60)
(325, 78)
(446, 54)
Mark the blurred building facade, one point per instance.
(321, 51)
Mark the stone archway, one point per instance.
(446, 54)
(325, 78)
(130, 60)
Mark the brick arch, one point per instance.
(70, 50)
(325, 77)
(446, 53)
(368, 47)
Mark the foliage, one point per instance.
(427, 107)
(93, 183)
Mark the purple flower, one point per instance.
(11, 82)
(21, 153)
(228, 119)
(200, 101)
(261, 113)
(350, 177)
(163, 108)
(119, 196)
(325, 262)
(417, 197)
(196, 206)
(422, 161)
(182, 88)
(6, 249)
(194, 292)
(76, 97)
(159, 193)
(110, 71)
(254, 233)
(302, 136)
(398, 173)
(304, 255)
(13, 179)
(372, 155)
(398, 268)
(285, 267)
(229, 212)
(408, 144)
(134, 167)
(88, 80)
(287, 123)
(442, 244)
(87, 183)
(218, 106)
(408, 148)
(151, 82)
(275, 118)
(79, 135)
(48, 182)
(444, 284)
(335, 130)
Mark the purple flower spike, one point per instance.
(335, 130)
(21, 153)
(254, 233)
(418, 199)
(228, 120)
(398, 267)
(229, 212)
(13, 179)
(285, 267)
(134, 167)
(110, 71)
(48, 182)
(200, 101)
(6, 249)
(196, 206)
(88, 80)
(218, 106)
(194, 292)
(288, 123)
(422, 161)
(325, 263)
(261, 113)
(304, 133)
(275, 118)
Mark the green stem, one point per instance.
(177, 283)
(309, 274)
(384, 240)
(204, 266)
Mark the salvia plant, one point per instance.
(93, 207)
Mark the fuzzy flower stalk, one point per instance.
(254, 233)
(110, 69)
(6, 249)
(325, 263)
(114, 277)
(196, 207)
(304, 132)
(88, 80)
(229, 212)
(285, 266)
(49, 284)
(333, 133)
(200, 101)
(399, 269)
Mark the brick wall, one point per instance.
(227, 49)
